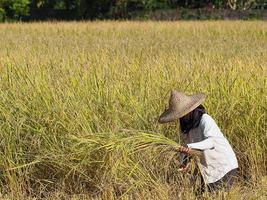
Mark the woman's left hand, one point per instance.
(183, 168)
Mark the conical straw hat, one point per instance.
(179, 105)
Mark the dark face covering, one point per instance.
(192, 119)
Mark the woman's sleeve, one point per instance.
(204, 144)
(210, 130)
(184, 159)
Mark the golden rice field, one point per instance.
(79, 99)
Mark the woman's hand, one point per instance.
(185, 149)
(183, 168)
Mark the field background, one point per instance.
(67, 89)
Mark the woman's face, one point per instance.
(185, 123)
(186, 117)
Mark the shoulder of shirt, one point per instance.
(205, 117)
(208, 121)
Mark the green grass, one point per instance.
(76, 98)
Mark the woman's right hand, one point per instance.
(185, 149)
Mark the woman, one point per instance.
(218, 165)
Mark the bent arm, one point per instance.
(202, 145)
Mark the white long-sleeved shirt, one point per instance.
(218, 156)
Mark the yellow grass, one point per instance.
(74, 95)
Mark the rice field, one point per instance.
(79, 104)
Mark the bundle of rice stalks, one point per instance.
(141, 140)
(133, 140)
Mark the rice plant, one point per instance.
(79, 104)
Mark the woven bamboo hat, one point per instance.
(180, 104)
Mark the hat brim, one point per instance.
(170, 115)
